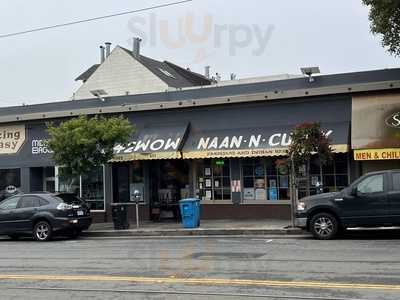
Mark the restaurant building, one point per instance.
(220, 143)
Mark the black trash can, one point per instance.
(120, 216)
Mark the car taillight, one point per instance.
(64, 206)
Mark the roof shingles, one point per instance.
(171, 74)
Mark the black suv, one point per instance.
(43, 214)
(371, 201)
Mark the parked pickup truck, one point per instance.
(371, 201)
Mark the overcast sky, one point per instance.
(248, 38)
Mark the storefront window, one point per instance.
(334, 176)
(10, 182)
(214, 182)
(263, 181)
(49, 179)
(68, 184)
(93, 188)
(42, 179)
(90, 187)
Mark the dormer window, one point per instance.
(166, 73)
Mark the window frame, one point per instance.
(393, 181)
(212, 177)
(267, 177)
(57, 178)
(372, 193)
(18, 197)
(28, 196)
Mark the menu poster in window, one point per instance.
(208, 195)
(273, 193)
(208, 183)
(259, 171)
(248, 194)
(236, 186)
(207, 171)
(216, 183)
(259, 183)
(261, 194)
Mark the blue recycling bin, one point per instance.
(190, 212)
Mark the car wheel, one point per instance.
(324, 226)
(42, 231)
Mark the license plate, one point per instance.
(80, 213)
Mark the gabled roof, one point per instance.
(85, 75)
(171, 74)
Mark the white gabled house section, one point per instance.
(120, 74)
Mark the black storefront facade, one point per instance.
(224, 155)
(218, 144)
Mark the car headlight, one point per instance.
(301, 206)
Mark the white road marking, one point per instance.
(262, 240)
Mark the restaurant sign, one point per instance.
(146, 156)
(377, 154)
(11, 138)
(158, 148)
(221, 144)
(393, 120)
(239, 145)
(376, 122)
(162, 142)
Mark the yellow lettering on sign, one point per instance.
(377, 154)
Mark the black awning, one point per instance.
(251, 142)
(164, 142)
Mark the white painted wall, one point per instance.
(118, 74)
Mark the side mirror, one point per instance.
(353, 191)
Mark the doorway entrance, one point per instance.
(169, 183)
(128, 177)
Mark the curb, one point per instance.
(192, 232)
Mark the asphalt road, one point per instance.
(360, 266)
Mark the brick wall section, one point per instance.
(215, 212)
(243, 211)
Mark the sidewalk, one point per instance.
(207, 228)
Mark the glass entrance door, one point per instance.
(169, 183)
